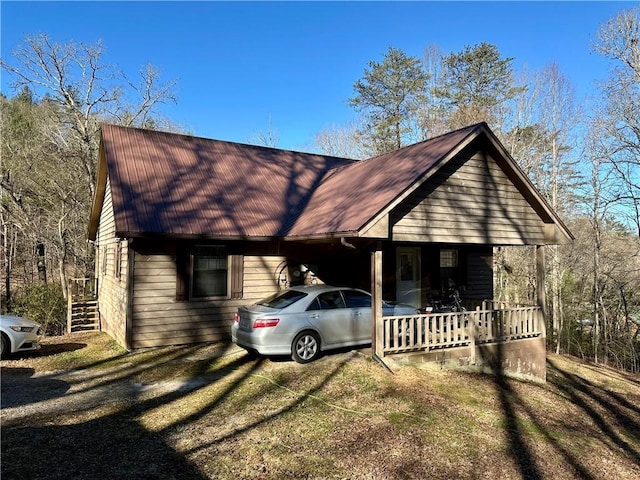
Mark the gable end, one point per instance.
(470, 200)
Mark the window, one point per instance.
(327, 301)
(117, 259)
(209, 272)
(449, 271)
(448, 258)
(408, 267)
(103, 250)
(282, 300)
(356, 299)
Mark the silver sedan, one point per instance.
(303, 321)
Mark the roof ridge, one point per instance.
(228, 142)
(471, 128)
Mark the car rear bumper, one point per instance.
(265, 343)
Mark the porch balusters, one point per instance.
(446, 330)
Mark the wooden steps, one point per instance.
(82, 308)
(83, 316)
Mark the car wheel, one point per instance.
(305, 347)
(5, 347)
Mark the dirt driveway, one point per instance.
(28, 390)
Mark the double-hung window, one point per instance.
(449, 268)
(210, 271)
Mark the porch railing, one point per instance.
(442, 330)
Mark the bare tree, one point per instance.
(619, 41)
(558, 115)
(87, 90)
(267, 138)
(341, 141)
(433, 113)
(47, 192)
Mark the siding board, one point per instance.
(158, 319)
(470, 200)
(480, 274)
(112, 292)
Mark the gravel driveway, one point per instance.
(26, 393)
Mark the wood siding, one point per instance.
(470, 200)
(158, 319)
(112, 290)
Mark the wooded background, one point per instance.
(583, 155)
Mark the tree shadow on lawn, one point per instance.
(12, 386)
(48, 349)
(590, 398)
(115, 444)
(509, 401)
(112, 447)
(612, 413)
(299, 399)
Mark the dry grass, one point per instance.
(211, 412)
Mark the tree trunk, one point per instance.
(555, 295)
(596, 292)
(7, 264)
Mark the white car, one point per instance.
(303, 321)
(18, 335)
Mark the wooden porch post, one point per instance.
(376, 302)
(540, 290)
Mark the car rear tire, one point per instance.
(252, 354)
(305, 347)
(5, 346)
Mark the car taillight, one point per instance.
(236, 317)
(265, 322)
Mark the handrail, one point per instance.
(82, 288)
(442, 330)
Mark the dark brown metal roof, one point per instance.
(179, 185)
(353, 195)
(165, 183)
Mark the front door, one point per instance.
(408, 276)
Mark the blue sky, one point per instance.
(240, 64)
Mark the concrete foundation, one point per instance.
(525, 358)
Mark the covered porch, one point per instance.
(491, 334)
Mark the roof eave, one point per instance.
(98, 197)
(565, 233)
(192, 236)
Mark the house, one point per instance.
(188, 229)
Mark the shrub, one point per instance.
(44, 304)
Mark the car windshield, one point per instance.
(282, 300)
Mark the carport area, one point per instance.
(485, 333)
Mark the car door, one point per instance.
(327, 313)
(359, 303)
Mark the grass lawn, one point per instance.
(82, 408)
